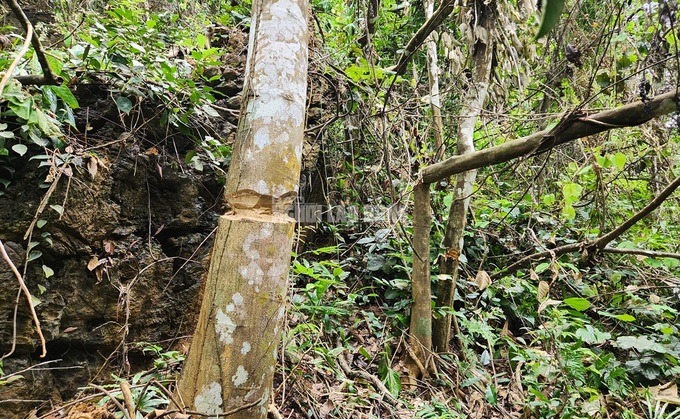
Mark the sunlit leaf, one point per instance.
(20, 149)
(58, 208)
(619, 160)
(577, 303)
(625, 317)
(47, 271)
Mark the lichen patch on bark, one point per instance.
(240, 377)
(209, 400)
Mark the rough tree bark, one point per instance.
(230, 366)
(480, 66)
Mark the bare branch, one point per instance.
(598, 245)
(572, 127)
(642, 252)
(417, 40)
(27, 293)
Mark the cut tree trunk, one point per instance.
(230, 367)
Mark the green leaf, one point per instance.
(625, 317)
(66, 95)
(58, 208)
(542, 267)
(577, 303)
(572, 192)
(491, 395)
(20, 149)
(569, 212)
(639, 343)
(41, 223)
(47, 271)
(552, 9)
(393, 382)
(619, 160)
(124, 104)
(549, 199)
(46, 125)
(210, 111)
(34, 254)
(21, 107)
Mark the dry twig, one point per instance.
(29, 299)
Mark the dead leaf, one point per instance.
(69, 329)
(506, 330)
(666, 393)
(93, 263)
(482, 280)
(99, 273)
(109, 247)
(548, 302)
(534, 275)
(543, 291)
(92, 166)
(325, 409)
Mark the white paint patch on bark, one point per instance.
(224, 326)
(245, 348)
(209, 400)
(240, 377)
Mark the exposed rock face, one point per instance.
(145, 238)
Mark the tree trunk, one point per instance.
(455, 227)
(230, 366)
(433, 78)
(421, 310)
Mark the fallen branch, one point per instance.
(48, 77)
(29, 299)
(571, 128)
(642, 252)
(589, 249)
(349, 372)
(113, 399)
